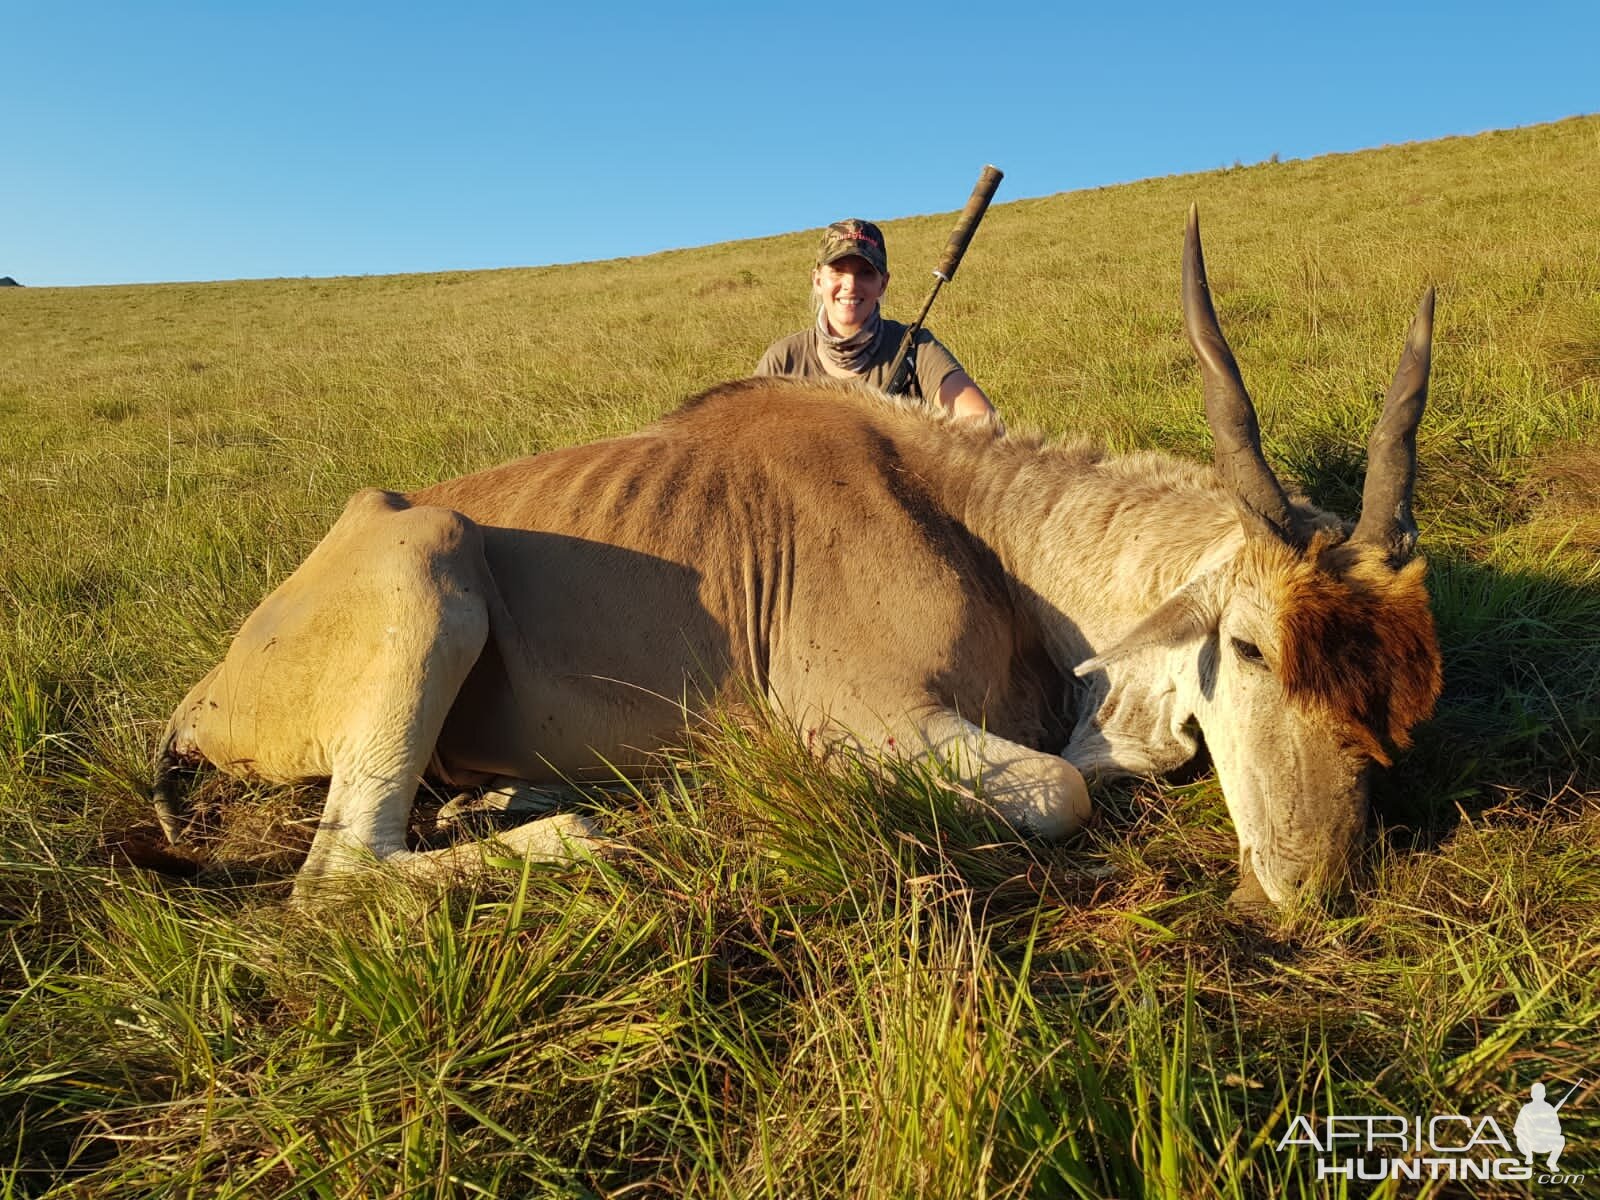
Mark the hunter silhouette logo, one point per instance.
(1451, 1146)
(1538, 1127)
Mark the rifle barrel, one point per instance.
(967, 225)
(1568, 1096)
(960, 239)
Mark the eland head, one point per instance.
(1306, 656)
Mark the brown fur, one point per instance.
(1358, 643)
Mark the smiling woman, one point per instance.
(853, 340)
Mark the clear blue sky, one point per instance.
(163, 141)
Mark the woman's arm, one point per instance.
(962, 398)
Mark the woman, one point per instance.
(853, 340)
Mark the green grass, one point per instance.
(793, 982)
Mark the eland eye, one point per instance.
(1249, 652)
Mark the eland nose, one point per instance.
(1324, 882)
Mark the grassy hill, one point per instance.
(804, 985)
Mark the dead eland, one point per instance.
(1029, 614)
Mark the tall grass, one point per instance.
(788, 981)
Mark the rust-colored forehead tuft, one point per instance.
(1358, 643)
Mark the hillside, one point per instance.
(780, 1002)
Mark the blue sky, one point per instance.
(156, 141)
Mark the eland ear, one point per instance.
(1186, 615)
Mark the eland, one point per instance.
(1028, 614)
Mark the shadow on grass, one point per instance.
(1519, 719)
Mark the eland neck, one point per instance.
(1090, 543)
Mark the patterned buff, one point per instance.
(847, 357)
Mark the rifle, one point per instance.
(960, 238)
(1568, 1096)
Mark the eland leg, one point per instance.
(1033, 792)
(346, 673)
(565, 837)
(424, 602)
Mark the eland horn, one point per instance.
(1235, 433)
(1392, 451)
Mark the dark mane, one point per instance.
(1359, 643)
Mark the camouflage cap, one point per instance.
(853, 238)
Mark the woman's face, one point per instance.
(850, 290)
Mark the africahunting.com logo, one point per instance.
(1447, 1146)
